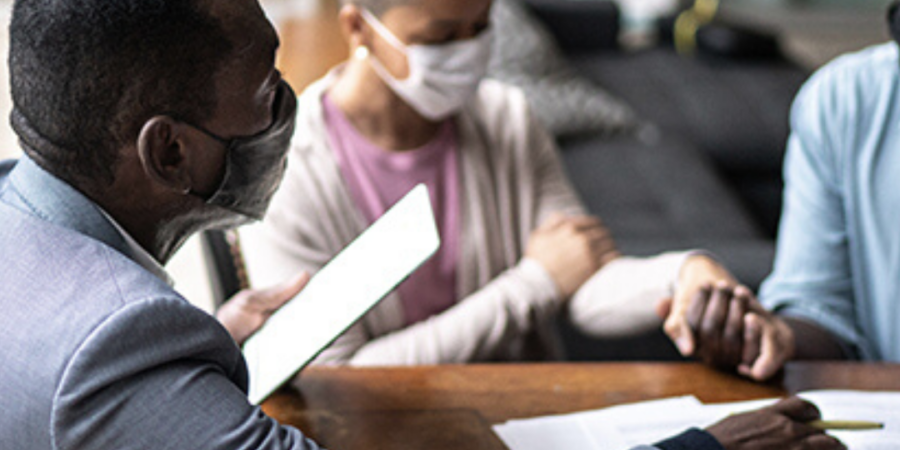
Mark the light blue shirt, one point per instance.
(838, 255)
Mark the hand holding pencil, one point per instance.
(786, 425)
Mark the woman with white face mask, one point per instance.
(411, 106)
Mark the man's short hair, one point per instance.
(376, 7)
(87, 74)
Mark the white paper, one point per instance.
(627, 426)
(342, 292)
(552, 433)
(614, 428)
(882, 407)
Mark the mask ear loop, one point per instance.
(383, 31)
(363, 53)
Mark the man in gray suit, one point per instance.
(142, 122)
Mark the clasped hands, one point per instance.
(713, 318)
(709, 317)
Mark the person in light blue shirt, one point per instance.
(838, 259)
(834, 288)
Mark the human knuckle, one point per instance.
(708, 329)
(732, 339)
(672, 328)
(796, 429)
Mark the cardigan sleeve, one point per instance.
(620, 299)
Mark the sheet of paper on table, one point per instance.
(626, 426)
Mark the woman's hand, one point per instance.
(571, 249)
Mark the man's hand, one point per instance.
(571, 249)
(734, 331)
(780, 426)
(698, 271)
(248, 310)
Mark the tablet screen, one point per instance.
(341, 292)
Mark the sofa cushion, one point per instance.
(736, 111)
(579, 25)
(526, 55)
(659, 194)
(655, 187)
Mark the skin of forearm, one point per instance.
(814, 342)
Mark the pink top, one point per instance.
(378, 178)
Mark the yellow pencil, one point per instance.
(845, 425)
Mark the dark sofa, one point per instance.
(704, 171)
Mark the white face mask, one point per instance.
(441, 77)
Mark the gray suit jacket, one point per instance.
(97, 352)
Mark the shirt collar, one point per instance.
(138, 254)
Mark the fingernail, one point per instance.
(684, 346)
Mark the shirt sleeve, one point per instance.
(692, 439)
(161, 374)
(812, 275)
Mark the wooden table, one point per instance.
(439, 407)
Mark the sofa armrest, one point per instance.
(579, 25)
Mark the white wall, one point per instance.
(8, 145)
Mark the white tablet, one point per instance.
(343, 291)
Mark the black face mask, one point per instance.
(255, 165)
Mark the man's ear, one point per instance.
(163, 156)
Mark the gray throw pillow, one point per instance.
(526, 55)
